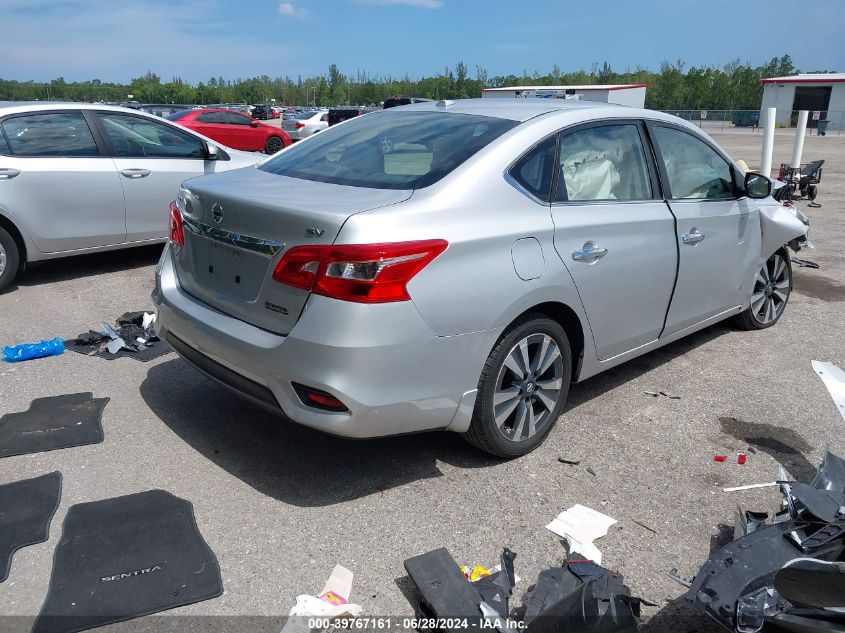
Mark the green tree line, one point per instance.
(735, 86)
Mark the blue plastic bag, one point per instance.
(27, 351)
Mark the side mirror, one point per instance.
(254, 124)
(211, 151)
(757, 185)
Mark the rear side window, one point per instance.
(141, 137)
(390, 149)
(694, 169)
(210, 117)
(4, 146)
(603, 163)
(50, 134)
(534, 170)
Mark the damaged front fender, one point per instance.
(780, 226)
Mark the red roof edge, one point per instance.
(802, 81)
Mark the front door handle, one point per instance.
(693, 237)
(590, 252)
(135, 173)
(8, 174)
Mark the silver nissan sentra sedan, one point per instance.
(456, 265)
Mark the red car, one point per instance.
(233, 129)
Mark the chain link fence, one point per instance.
(823, 123)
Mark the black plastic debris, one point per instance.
(581, 597)
(133, 335)
(51, 423)
(446, 594)
(789, 570)
(26, 509)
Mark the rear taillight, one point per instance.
(299, 124)
(177, 230)
(364, 273)
(318, 398)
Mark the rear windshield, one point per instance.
(389, 149)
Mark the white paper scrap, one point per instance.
(834, 379)
(580, 526)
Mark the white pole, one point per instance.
(768, 142)
(800, 132)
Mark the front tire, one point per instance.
(273, 144)
(9, 259)
(522, 389)
(772, 287)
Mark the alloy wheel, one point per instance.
(528, 387)
(274, 144)
(771, 290)
(2, 259)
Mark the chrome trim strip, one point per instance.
(246, 242)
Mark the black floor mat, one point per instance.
(159, 348)
(126, 557)
(51, 423)
(26, 509)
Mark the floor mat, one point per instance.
(51, 423)
(126, 557)
(26, 509)
(159, 348)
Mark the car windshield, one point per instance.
(390, 149)
(178, 115)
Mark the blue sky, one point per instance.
(115, 40)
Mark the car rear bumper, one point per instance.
(381, 361)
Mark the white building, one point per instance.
(629, 95)
(817, 92)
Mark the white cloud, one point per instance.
(422, 4)
(290, 9)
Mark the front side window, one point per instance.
(4, 146)
(210, 117)
(134, 136)
(389, 149)
(51, 134)
(603, 163)
(534, 171)
(237, 119)
(694, 169)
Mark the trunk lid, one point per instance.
(238, 224)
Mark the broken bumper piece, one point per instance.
(790, 572)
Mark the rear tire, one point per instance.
(772, 287)
(522, 389)
(9, 259)
(273, 145)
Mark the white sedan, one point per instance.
(306, 124)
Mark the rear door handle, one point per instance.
(590, 252)
(8, 174)
(135, 173)
(693, 237)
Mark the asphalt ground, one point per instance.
(280, 505)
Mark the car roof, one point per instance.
(18, 107)
(514, 109)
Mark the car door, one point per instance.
(58, 185)
(614, 233)
(214, 126)
(243, 135)
(718, 233)
(153, 158)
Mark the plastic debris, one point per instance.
(778, 570)
(28, 351)
(133, 332)
(571, 462)
(720, 458)
(580, 526)
(476, 573)
(741, 458)
(750, 487)
(834, 379)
